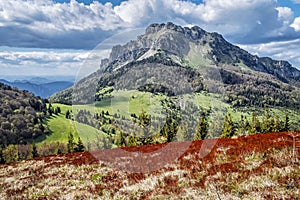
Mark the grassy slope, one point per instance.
(126, 102)
(61, 127)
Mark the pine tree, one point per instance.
(120, 139)
(145, 136)
(278, 125)
(286, 122)
(11, 153)
(266, 126)
(59, 150)
(34, 152)
(70, 143)
(202, 128)
(133, 141)
(272, 127)
(58, 110)
(144, 119)
(229, 128)
(170, 129)
(255, 126)
(2, 161)
(55, 111)
(107, 142)
(243, 126)
(79, 146)
(68, 114)
(50, 110)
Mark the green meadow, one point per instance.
(125, 103)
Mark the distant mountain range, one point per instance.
(39, 86)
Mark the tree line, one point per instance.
(18, 152)
(148, 132)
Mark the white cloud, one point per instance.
(19, 61)
(47, 24)
(59, 17)
(285, 14)
(296, 24)
(286, 50)
(55, 25)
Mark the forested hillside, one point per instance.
(21, 116)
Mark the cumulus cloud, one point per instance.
(260, 26)
(296, 24)
(55, 25)
(278, 50)
(240, 21)
(47, 24)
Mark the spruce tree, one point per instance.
(286, 122)
(266, 126)
(173, 130)
(59, 150)
(50, 110)
(145, 136)
(278, 125)
(229, 127)
(34, 152)
(120, 139)
(58, 110)
(70, 143)
(202, 128)
(68, 114)
(255, 126)
(2, 160)
(107, 142)
(79, 146)
(243, 126)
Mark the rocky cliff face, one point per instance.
(181, 42)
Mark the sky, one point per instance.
(55, 37)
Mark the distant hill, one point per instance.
(39, 80)
(39, 86)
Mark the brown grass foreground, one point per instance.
(260, 166)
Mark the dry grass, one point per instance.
(253, 167)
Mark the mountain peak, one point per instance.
(194, 32)
(193, 47)
(152, 28)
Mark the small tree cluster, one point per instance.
(53, 110)
(13, 153)
(268, 123)
(72, 146)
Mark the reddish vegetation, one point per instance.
(261, 164)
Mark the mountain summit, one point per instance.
(195, 47)
(173, 60)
